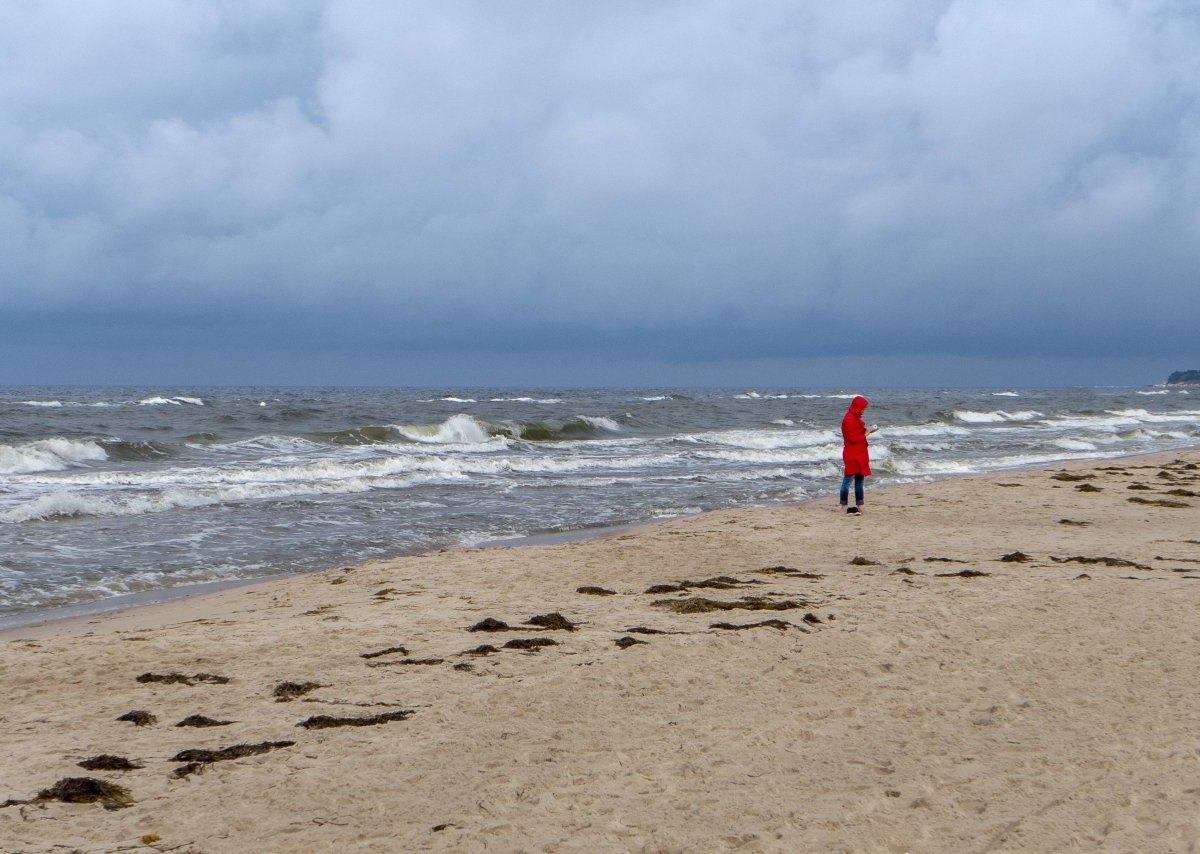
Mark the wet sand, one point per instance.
(998, 663)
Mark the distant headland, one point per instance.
(1183, 377)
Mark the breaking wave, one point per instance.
(49, 455)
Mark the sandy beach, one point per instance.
(1004, 662)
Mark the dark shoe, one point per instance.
(851, 509)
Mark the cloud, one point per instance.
(678, 181)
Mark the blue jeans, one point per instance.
(844, 495)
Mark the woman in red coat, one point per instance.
(854, 453)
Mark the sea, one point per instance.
(113, 491)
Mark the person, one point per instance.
(854, 453)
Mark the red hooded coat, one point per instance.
(854, 434)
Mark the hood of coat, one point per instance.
(859, 404)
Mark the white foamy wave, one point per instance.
(547, 400)
(779, 456)
(455, 430)
(784, 422)
(172, 401)
(1074, 445)
(48, 455)
(998, 416)
(654, 399)
(47, 404)
(763, 440)
(932, 429)
(599, 422)
(1005, 394)
(1155, 391)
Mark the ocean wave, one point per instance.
(762, 439)
(1005, 394)
(46, 404)
(998, 416)
(455, 430)
(178, 400)
(925, 430)
(119, 450)
(49, 455)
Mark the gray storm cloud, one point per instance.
(689, 180)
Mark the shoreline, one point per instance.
(994, 662)
(39, 617)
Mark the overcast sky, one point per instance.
(709, 192)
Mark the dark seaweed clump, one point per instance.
(482, 649)
(551, 622)
(181, 679)
(862, 561)
(106, 762)
(1087, 487)
(1016, 557)
(391, 649)
(720, 582)
(700, 605)
(627, 642)
(964, 573)
(139, 717)
(1106, 561)
(201, 721)
(1159, 502)
(328, 721)
(1069, 477)
(788, 571)
(532, 644)
(87, 790)
(196, 758)
(763, 624)
(491, 624)
(287, 691)
(591, 590)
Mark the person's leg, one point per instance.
(844, 495)
(858, 490)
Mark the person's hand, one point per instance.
(872, 428)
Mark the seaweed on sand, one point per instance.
(181, 679)
(482, 649)
(197, 758)
(788, 571)
(592, 590)
(107, 762)
(863, 561)
(551, 622)
(627, 642)
(763, 624)
(964, 573)
(531, 644)
(1106, 561)
(1071, 476)
(201, 721)
(287, 691)
(391, 649)
(139, 717)
(1016, 557)
(1087, 487)
(719, 582)
(701, 605)
(1159, 502)
(491, 624)
(328, 721)
(87, 790)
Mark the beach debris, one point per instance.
(701, 605)
(943, 560)
(863, 561)
(1087, 487)
(642, 630)
(811, 618)
(531, 644)
(385, 593)
(1082, 576)
(482, 649)
(201, 721)
(139, 717)
(1165, 475)
(197, 758)
(87, 790)
(108, 762)
(1140, 486)
(1106, 561)
(463, 665)
(551, 622)
(406, 661)
(782, 625)
(720, 582)
(181, 679)
(328, 721)
(389, 651)
(904, 570)
(1016, 557)
(788, 571)
(1073, 523)
(1158, 502)
(491, 624)
(285, 692)
(963, 573)
(1183, 493)
(590, 590)
(626, 642)
(1071, 476)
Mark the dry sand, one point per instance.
(899, 705)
